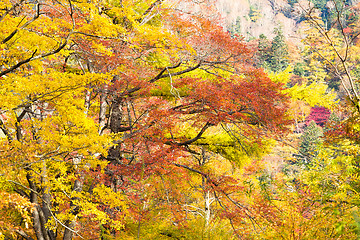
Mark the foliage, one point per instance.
(254, 13)
(273, 56)
(279, 51)
(118, 116)
(146, 120)
(310, 141)
(320, 115)
(235, 28)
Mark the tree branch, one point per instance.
(23, 234)
(190, 141)
(162, 75)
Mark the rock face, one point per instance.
(252, 18)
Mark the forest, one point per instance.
(152, 119)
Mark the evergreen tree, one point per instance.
(264, 51)
(279, 52)
(310, 140)
(273, 55)
(235, 28)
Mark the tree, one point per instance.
(304, 98)
(279, 52)
(310, 141)
(106, 107)
(320, 115)
(273, 55)
(264, 51)
(334, 47)
(333, 170)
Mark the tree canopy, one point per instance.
(147, 120)
(112, 111)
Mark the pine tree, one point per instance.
(273, 55)
(264, 51)
(310, 140)
(279, 52)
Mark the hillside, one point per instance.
(255, 17)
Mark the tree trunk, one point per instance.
(69, 231)
(37, 214)
(207, 211)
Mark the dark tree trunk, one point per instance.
(68, 233)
